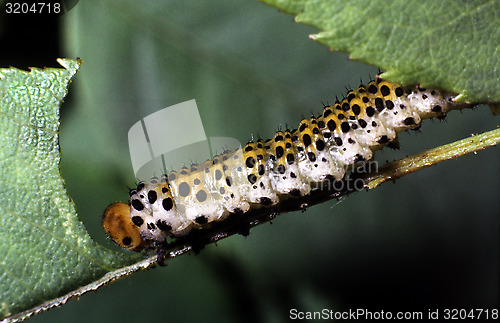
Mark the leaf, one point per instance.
(451, 45)
(45, 250)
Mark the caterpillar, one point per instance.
(264, 173)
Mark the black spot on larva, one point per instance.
(194, 169)
(295, 192)
(383, 140)
(409, 121)
(320, 144)
(250, 162)
(372, 89)
(229, 181)
(141, 186)
(281, 169)
(201, 219)
(290, 158)
(136, 204)
(201, 196)
(437, 108)
(374, 124)
(224, 168)
(402, 106)
(151, 226)
(222, 191)
(126, 241)
(338, 141)
(137, 220)
(356, 109)
(350, 96)
(235, 157)
(365, 99)
(152, 196)
(331, 125)
(351, 141)
(354, 126)
(292, 175)
(288, 145)
(306, 139)
(280, 151)
(207, 170)
(164, 190)
(327, 135)
(272, 157)
(215, 161)
(326, 113)
(340, 116)
(218, 175)
(384, 89)
(154, 180)
(300, 148)
(167, 204)
(424, 96)
(344, 126)
(362, 123)
(259, 145)
(248, 148)
(163, 226)
(262, 186)
(278, 138)
(183, 172)
(224, 158)
(379, 104)
(352, 118)
(261, 169)
(389, 104)
(260, 157)
(196, 181)
(252, 178)
(302, 127)
(184, 189)
(311, 156)
(315, 130)
(399, 91)
(321, 124)
(370, 111)
(346, 107)
(265, 201)
(295, 138)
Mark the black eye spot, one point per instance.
(126, 241)
(252, 178)
(152, 196)
(163, 226)
(250, 162)
(399, 91)
(384, 89)
(137, 220)
(136, 204)
(306, 139)
(345, 127)
(320, 144)
(379, 104)
(201, 196)
(218, 175)
(184, 189)
(167, 204)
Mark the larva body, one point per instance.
(288, 165)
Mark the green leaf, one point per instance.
(451, 45)
(45, 250)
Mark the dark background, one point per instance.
(429, 241)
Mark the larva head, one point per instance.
(119, 226)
